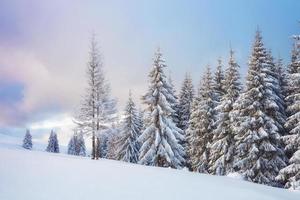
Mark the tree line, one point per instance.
(224, 127)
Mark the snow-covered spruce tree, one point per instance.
(140, 119)
(71, 145)
(222, 148)
(160, 139)
(291, 69)
(275, 105)
(27, 141)
(201, 125)
(128, 145)
(53, 143)
(290, 175)
(193, 140)
(112, 143)
(185, 102)
(102, 139)
(173, 101)
(218, 81)
(97, 109)
(282, 79)
(76, 145)
(257, 157)
(81, 149)
(186, 98)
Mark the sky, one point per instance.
(44, 48)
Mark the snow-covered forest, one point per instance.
(222, 126)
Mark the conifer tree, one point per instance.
(140, 119)
(160, 139)
(292, 87)
(97, 110)
(218, 82)
(275, 105)
(258, 157)
(222, 148)
(27, 141)
(53, 143)
(282, 79)
(128, 145)
(76, 145)
(81, 149)
(185, 102)
(102, 141)
(173, 101)
(112, 145)
(290, 175)
(72, 145)
(201, 125)
(186, 98)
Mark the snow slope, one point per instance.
(37, 175)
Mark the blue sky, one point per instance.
(44, 45)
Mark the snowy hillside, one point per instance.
(37, 175)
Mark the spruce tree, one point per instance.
(53, 143)
(128, 145)
(275, 105)
(72, 145)
(222, 148)
(173, 101)
(258, 157)
(160, 139)
(186, 98)
(112, 144)
(27, 141)
(201, 125)
(282, 79)
(218, 85)
(290, 175)
(102, 141)
(76, 145)
(185, 102)
(81, 149)
(293, 91)
(140, 119)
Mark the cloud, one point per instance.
(61, 123)
(43, 91)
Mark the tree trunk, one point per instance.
(93, 147)
(98, 148)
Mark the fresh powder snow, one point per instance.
(39, 175)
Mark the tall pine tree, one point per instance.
(201, 125)
(290, 175)
(160, 139)
(275, 105)
(282, 80)
(258, 156)
(173, 101)
(128, 145)
(185, 102)
(218, 84)
(222, 148)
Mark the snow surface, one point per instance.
(38, 175)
